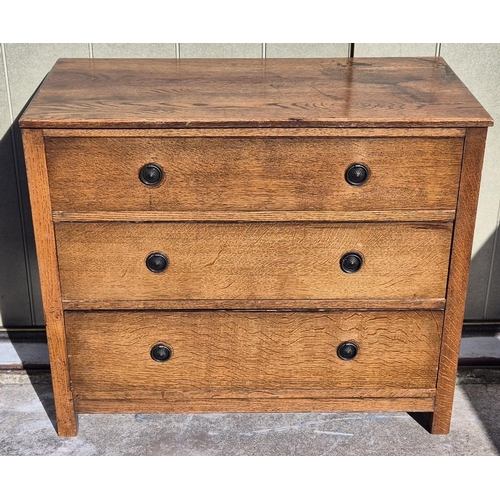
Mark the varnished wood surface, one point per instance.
(244, 352)
(259, 216)
(246, 304)
(159, 393)
(256, 405)
(238, 174)
(257, 132)
(459, 275)
(49, 279)
(254, 215)
(152, 93)
(106, 261)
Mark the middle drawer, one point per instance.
(228, 261)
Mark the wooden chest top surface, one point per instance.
(204, 93)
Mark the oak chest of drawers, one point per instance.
(254, 235)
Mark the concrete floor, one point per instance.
(27, 414)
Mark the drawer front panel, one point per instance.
(252, 174)
(249, 352)
(107, 261)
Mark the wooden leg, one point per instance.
(67, 420)
(67, 427)
(470, 178)
(38, 182)
(433, 422)
(440, 421)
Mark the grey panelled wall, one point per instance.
(15, 299)
(478, 65)
(23, 67)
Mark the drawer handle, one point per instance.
(351, 263)
(161, 353)
(357, 174)
(347, 351)
(157, 262)
(151, 174)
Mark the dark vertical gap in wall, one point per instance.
(20, 197)
(351, 50)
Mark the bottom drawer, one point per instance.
(250, 356)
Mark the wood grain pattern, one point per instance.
(258, 132)
(256, 405)
(298, 174)
(459, 274)
(49, 279)
(254, 214)
(106, 261)
(260, 216)
(245, 304)
(162, 93)
(243, 352)
(210, 394)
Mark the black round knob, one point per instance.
(351, 263)
(151, 174)
(347, 351)
(156, 262)
(357, 174)
(161, 353)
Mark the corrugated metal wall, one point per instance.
(23, 67)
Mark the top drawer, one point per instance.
(89, 174)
